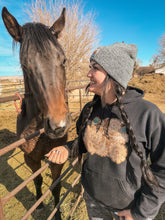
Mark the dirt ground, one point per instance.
(154, 87)
(13, 169)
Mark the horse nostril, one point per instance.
(51, 124)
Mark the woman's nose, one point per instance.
(89, 74)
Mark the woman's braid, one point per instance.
(146, 171)
(76, 147)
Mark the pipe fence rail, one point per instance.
(5, 199)
(15, 97)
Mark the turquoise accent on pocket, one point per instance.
(96, 121)
(123, 130)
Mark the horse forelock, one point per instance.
(39, 35)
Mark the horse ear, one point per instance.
(59, 24)
(12, 26)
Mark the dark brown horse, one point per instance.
(45, 104)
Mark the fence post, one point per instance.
(80, 98)
(1, 211)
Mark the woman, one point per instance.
(119, 130)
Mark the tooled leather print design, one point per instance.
(110, 143)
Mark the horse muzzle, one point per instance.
(54, 130)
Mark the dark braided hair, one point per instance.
(77, 144)
(146, 171)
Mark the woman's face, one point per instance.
(97, 77)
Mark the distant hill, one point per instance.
(11, 78)
(150, 83)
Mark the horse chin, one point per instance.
(53, 134)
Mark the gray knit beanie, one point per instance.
(117, 60)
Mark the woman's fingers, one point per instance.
(58, 155)
(64, 157)
(51, 155)
(48, 154)
(54, 157)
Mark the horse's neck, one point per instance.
(31, 118)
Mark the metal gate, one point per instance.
(12, 146)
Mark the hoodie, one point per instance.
(112, 174)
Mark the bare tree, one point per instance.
(80, 36)
(136, 66)
(159, 59)
(155, 61)
(139, 62)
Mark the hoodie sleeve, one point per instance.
(149, 201)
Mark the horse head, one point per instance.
(42, 60)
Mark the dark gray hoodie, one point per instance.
(112, 174)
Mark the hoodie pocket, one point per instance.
(110, 191)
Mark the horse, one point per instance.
(45, 104)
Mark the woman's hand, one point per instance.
(58, 155)
(125, 215)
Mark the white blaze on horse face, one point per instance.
(62, 124)
(54, 126)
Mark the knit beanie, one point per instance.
(117, 60)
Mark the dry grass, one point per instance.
(14, 170)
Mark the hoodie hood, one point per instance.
(132, 94)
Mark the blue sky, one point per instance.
(140, 21)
